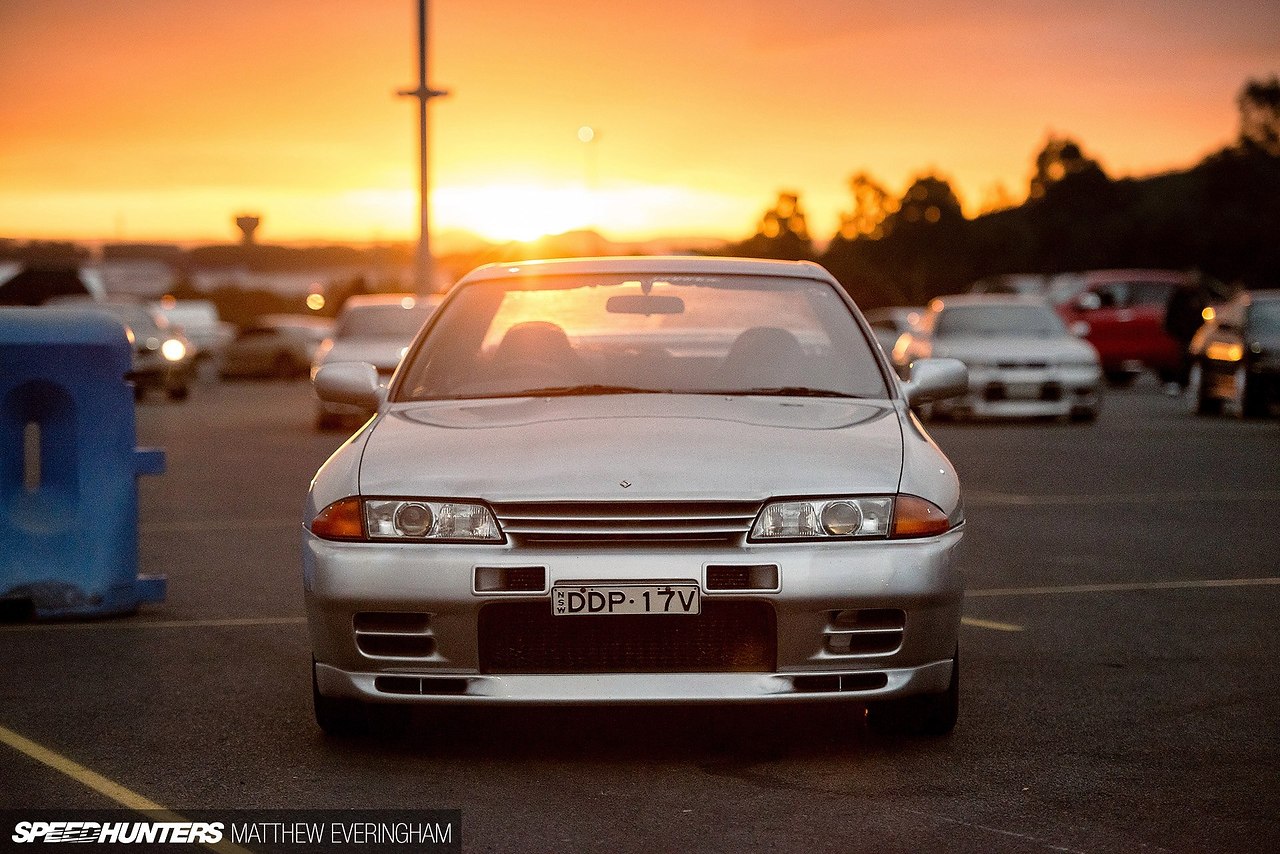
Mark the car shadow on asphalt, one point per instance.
(620, 733)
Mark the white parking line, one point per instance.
(1126, 587)
(182, 527)
(157, 624)
(989, 624)
(1010, 499)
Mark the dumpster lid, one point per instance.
(61, 326)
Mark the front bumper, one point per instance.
(1027, 392)
(816, 581)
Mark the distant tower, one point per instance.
(248, 224)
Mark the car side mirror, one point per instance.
(1089, 302)
(355, 383)
(936, 379)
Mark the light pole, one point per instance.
(424, 268)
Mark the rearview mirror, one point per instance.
(355, 383)
(936, 379)
(644, 304)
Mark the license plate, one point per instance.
(610, 599)
(1022, 391)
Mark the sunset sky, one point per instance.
(160, 119)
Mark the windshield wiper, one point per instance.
(586, 388)
(787, 391)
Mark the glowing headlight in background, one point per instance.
(173, 350)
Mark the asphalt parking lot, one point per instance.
(1119, 661)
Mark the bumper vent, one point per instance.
(865, 631)
(624, 521)
(394, 634)
(511, 579)
(830, 683)
(432, 686)
(727, 637)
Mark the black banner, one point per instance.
(234, 831)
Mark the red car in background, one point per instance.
(1121, 313)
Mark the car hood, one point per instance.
(664, 447)
(1066, 348)
(382, 353)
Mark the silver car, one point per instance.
(372, 328)
(638, 480)
(1022, 360)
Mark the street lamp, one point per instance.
(423, 271)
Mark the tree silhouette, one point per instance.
(783, 233)
(1259, 103)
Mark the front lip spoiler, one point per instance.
(640, 688)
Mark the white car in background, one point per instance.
(1022, 360)
(199, 321)
(375, 329)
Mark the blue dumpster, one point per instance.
(68, 467)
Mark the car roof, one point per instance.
(957, 300)
(670, 264)
(1102, 277)
(365, 300)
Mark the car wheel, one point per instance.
(1083, 414)
(1120, 379)
(1204, 405)
(337, 716)
(930, 715)
(342, 717)
(283, 367)
(178, 392)
(326, 421)
(139, 391)
(1252, 404)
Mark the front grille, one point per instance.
(727, 637)
(623, 521)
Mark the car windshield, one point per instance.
(397, 320)
(615, 334)
(1264, 317)
(988, 321)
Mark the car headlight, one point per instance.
(173, 350)
(896, 517)
(407, 519)
(824, 519)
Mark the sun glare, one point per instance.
(501, 212)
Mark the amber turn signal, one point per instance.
(915, 517)
(341, 520)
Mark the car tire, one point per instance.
(178, 392)
(1083, 414)
(1252, 403)
(1120, 379)
(341, 717)
(1204, 405)
(284, 367)
(927, 715)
